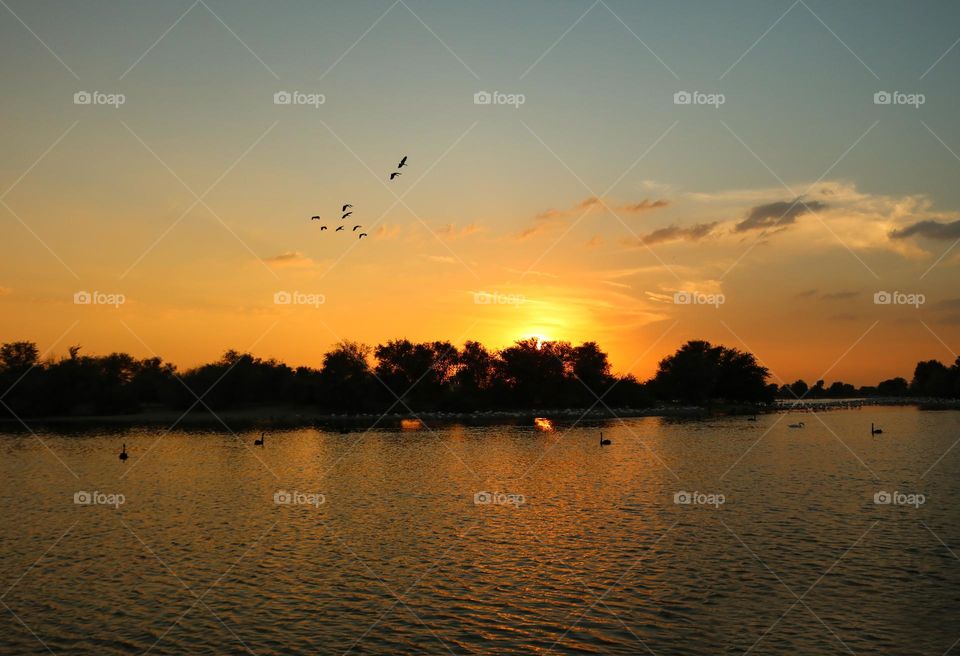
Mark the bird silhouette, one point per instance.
(323, 227)
(346, 215)
(260, 441)
(123, 454)
(875, 431)
(797, 425)
(395, 174)
(314, 218)
(362, 235)
(403, 162)
(355, 227)
(339, 229)
(344, 208)
(603, 442)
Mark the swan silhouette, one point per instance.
(797, 425)
(314, 218)
(362, 235)
(603, 441)
(395, 174)
(875, 431)
(260, 441)
(344, 208)
(403, 162)
(345, 215)
(123, 454)
(753, 418)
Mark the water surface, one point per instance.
(590, 555)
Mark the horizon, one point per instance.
(758, 183)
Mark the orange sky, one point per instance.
(579, 214)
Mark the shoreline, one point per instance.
(291, 417)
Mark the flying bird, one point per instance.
(339, 229)
(395, 174)
(403, 162)
(344, 208)
(314, 218)
(355, 227)
(346, 215)
(362, 235)
(323, 228)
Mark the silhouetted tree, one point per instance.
(893, 387)
(700, 372)
(346, 381)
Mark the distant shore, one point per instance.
(286, 416)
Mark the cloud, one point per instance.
(780, 213)
(594, 203)
(839, 296)
(387, 232)
(827, 296)
(929, 229)
(451, 231)
(644, 206)
(289, 260)
(676, 233)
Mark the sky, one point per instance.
(787, 209)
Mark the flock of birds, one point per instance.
(347, 210)
(603, 442)
(873, 429)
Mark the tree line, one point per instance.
(412, 376)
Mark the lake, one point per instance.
(719, 536)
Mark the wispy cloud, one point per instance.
(929, 229)
(778, 214)
(677, 233)
(289, 260)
